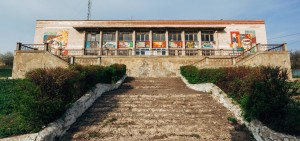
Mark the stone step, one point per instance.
(154, 109)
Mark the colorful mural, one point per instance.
(111, 45)
(192, 44)
(145, 44)
(159, 45)
(252, 35)
(91, 44)
(58, 42)
(245, 41)
(208, 44)
(235, 39)
(175, 44)
(125, 44)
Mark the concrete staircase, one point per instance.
(156, 109)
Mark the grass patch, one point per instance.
(5, 72)
(43, 96)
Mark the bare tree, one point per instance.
(295, 59)
(7, 59)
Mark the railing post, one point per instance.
(72, 60)
(84, 51)
(129, 52)
(46, 47)
(206, 60)
(284, 47)
(258, 47)
(233, 60)
(221, 52)
(19, 45)
(199, 52)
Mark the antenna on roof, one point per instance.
(89, 10)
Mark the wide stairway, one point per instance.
(156, 109)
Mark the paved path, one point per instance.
(155, 109)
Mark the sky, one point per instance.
(18, 17)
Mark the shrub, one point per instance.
(191, 73)
(262, 92)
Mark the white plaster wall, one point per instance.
(224, 37)
(76, 39)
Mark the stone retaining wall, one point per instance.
(258, 129)
(58, 128)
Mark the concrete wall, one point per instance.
(155, 66)
(25, 61)
(281, 59)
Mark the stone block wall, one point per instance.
(27, 60)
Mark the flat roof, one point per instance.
(144, 23)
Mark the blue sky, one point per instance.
(17, 17)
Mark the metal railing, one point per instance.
(238, 52)
(21, 46)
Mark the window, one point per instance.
(191, 37)
(92, 40)
(207, 36)
(109, 36)
(142, 37)
(158, 37)
(125, 36)
(174, 36)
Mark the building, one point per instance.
(148, 37)
(149, 48)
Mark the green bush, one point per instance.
(45, 94)
(191, 73)
(262, 92)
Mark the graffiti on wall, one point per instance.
(252, 35)
(192, 44)
(246, 41)
(235, 39)
(109, 45)
(159, 44)
(175, 44)
(208, 44)
(124, 44)
(145, 44)
(57, 41)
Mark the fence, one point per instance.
(240, 53)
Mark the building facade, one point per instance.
(149, 37)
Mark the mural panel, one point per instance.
(159, 45)
(246, 41)
(141, 44)
(175, 44)
(57, 41)
(252, 35)
(208, 44)
(192, 44)
(235, 39)
(125, 44)
(109, 45)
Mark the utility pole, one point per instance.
(89, 10)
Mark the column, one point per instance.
(199, 42)
(134, 41)
(167, 42)
(151, 42)
(117, 42)
(100, 42)
(284, 47)
(183, 42)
